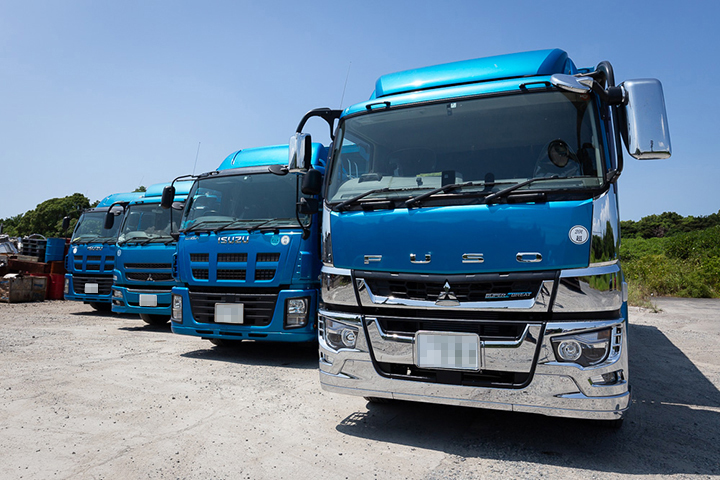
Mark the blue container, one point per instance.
(55, 249)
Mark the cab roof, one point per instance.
(274, 155)
(119, 197)
(525, 64)
(154, 192)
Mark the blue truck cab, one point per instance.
(91, 259)
(142, 280)
(471, 235)
(248, 258)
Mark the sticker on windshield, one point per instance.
(579, 234)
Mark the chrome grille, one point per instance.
(104, 283)
(258, 307)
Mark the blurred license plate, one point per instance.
(148, 300)
(229, 313)
(91, 288)
(456, 351)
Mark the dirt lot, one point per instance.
(91, 395)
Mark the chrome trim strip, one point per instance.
(335, 271)
(540, 303)
(592, 289)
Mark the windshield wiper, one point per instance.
(341, 206)
(256, 226)
(196, 227)
(494, 196)
(444, 189)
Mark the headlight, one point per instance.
(115, 278)
(296, 312)
(67, 286)
(339, 335)
(117, 293)
(177, 308)
(585, 349)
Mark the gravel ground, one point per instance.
(92, 395)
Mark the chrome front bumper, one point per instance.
(555, 388)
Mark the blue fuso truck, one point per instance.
(142, 280)
(248, 250)
(91, 259)
(471, 235)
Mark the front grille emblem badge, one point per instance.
(446, 297)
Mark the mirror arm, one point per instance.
(606, 69)
(327, 114)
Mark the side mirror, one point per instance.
(643, 123)
(109, 220)
(65, 223)
(168, 196)
(308, 206)
(300, 152)
(312, 182)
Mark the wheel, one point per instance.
(152, 319)
(221, 342)
(378, 399)
(101, 307)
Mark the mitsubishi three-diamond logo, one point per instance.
(446, 296)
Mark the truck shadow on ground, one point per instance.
(146, 327)
(673, 426)
(293, 355)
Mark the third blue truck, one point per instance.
(142, 279)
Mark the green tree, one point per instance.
(46, 219)
(141, 188)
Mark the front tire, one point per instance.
(101, 307)
(152, 319)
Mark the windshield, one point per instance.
(488, 143)
(148, 223)
(90, 228)
(259, 200)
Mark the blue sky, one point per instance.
(98, 97)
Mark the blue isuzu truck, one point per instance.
(471, 235)
(248, 250)
(91, 259)
(142, 280)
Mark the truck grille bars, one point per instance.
(258, 309)
(234, 266)
(104, 283)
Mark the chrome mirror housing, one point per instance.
(572, 84)
(645, 127)
(300, 152)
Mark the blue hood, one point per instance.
(498, 232)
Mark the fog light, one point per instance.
(296, 312)
(177, 306)
(607, 378)
(569, 350)
(339, 335)
(586, 349)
